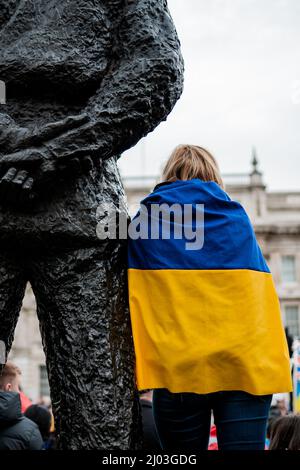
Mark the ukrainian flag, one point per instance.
(205, 319)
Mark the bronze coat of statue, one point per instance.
(85, 80)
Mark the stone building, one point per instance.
(27, 351)
(276, 219)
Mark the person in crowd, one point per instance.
(40, 415)
(150, 441)
(16, 431)
(285, 433)
(205, 315)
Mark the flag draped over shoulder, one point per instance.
(205, 316)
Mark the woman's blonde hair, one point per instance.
(190, 161)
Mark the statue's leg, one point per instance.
(85, 324)
(12, 288)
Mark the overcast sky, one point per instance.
(242, 88)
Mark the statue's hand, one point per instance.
(17, 175)
(24, 174)
(16, 186)
(14, 137)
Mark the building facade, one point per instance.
(276, 220)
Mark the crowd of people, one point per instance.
(28, 426)
(23, 425)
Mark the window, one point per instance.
(288, 269)
(44, 384)
(292, 319)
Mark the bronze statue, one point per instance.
(85, 80)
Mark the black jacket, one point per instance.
(16, 431)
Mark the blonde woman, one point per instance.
(205, 316)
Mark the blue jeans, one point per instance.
(183, 420)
